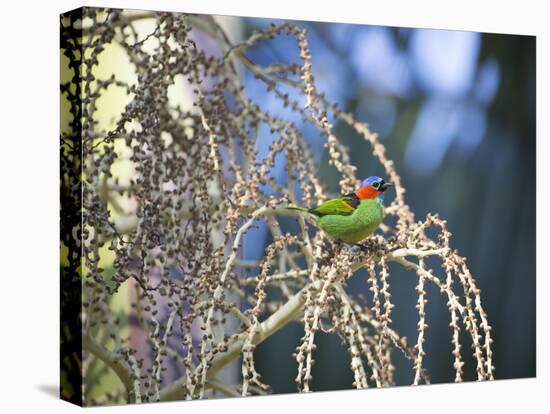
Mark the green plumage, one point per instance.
(343, 206)
(348, 219)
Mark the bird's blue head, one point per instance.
(372, 187)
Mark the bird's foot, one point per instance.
(330, 250)
(362, 248)
(335, 248)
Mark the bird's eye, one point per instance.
(376, 185)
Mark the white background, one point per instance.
(29, 202)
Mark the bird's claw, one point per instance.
(362, 247)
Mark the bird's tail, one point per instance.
(307, 211)
(302, 209)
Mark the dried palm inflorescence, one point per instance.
(197, 190)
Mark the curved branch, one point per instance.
(287, 313)
(120, 367)
(399, 257)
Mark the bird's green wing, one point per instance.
(342, 206)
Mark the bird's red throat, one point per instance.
(367, 191)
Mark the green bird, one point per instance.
(354, 216)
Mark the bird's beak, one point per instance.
(385, 186)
